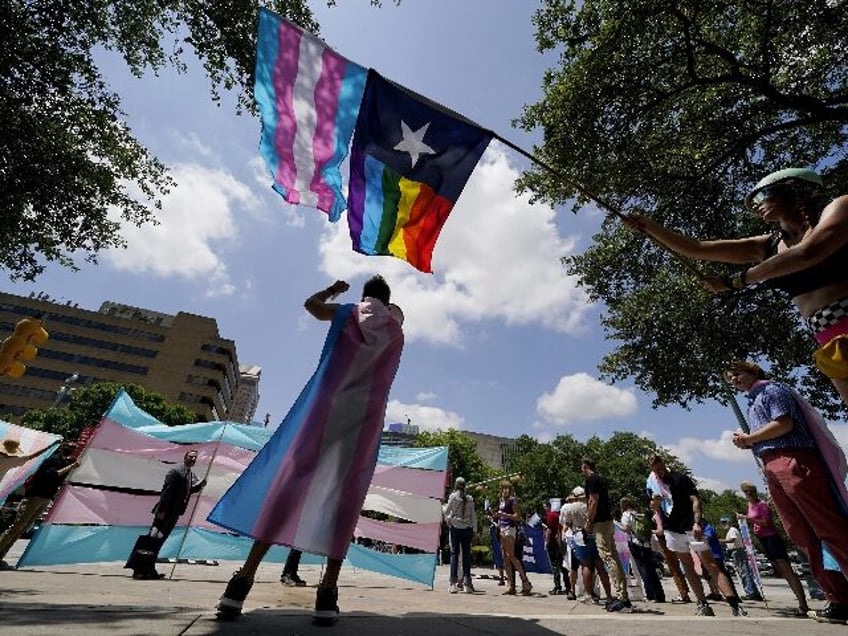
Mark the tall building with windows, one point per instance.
(181, 356)
(247, 396)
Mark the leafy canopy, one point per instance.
(71, 171)
(677, 109)
(88, 404)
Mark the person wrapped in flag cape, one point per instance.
(306, 487)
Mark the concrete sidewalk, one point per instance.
(102, 598)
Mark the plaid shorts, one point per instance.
(828, 316)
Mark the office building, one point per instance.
(247, 395)
(181, 356)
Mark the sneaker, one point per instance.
(469, 588)
(326, 606)
(6, 566)
(615, 606)
(555, 591)
(704, 610)
(453, 588)
(832, 613)
(501, 582)
(738, 610)
(753, 597)
(459, 585)
(292, 580)
(570, 596)
(231, 603)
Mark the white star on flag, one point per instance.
(413, 142)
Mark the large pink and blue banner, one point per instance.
(107, 501)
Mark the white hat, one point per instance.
(578, 492)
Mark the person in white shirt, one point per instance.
(736, 551)
(461, 517)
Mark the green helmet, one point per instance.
(803, 174)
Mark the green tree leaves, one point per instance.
(71, 171)
(678, 109)
(88, 404)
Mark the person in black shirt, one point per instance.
(600, 523)
(684, 534)
(40, 490)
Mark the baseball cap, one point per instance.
(578, 492)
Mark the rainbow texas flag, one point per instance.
(409, 163)
(308, 97)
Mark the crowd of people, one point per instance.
(804, 468)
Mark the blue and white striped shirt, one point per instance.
(769, 401)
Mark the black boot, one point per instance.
(326, 606)
(231, 603)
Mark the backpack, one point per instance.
(643, 526)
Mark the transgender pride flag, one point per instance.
(308, 97)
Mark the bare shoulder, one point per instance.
(836, 210)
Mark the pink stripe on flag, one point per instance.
(421, 536)
(80, 505)
(424, 483)
(285, 72)
(327, 91)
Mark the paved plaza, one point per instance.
(102, 599)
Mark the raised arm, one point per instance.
(317, 304)
(739, 251)
(829, 235)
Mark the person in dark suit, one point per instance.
(180, 484)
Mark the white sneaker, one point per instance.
(469, 588)
(704, 610)
(453, 588)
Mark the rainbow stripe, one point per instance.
(399, 200)
(401, 218)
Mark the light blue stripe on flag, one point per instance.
(372, 216)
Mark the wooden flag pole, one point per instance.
(197, 501)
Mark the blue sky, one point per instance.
(499, 340)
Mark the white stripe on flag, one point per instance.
(309, 68)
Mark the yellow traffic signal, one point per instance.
(22, 346)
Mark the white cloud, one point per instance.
(293, 215)
(708, 483)
(721, 449)
(498, 257)
(581, 397)
(840, 432)
(196, 218)
(426, 418)
(425, 396)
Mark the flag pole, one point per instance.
(196, 503)
(597, 199)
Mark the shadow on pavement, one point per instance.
(30, 618)
(279, 622)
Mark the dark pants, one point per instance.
(145, 552)
(460, 539)
(292, 562)
(644, 558)
(555, 557)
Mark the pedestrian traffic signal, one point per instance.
(22, 346)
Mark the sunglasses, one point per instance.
(767, 192)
